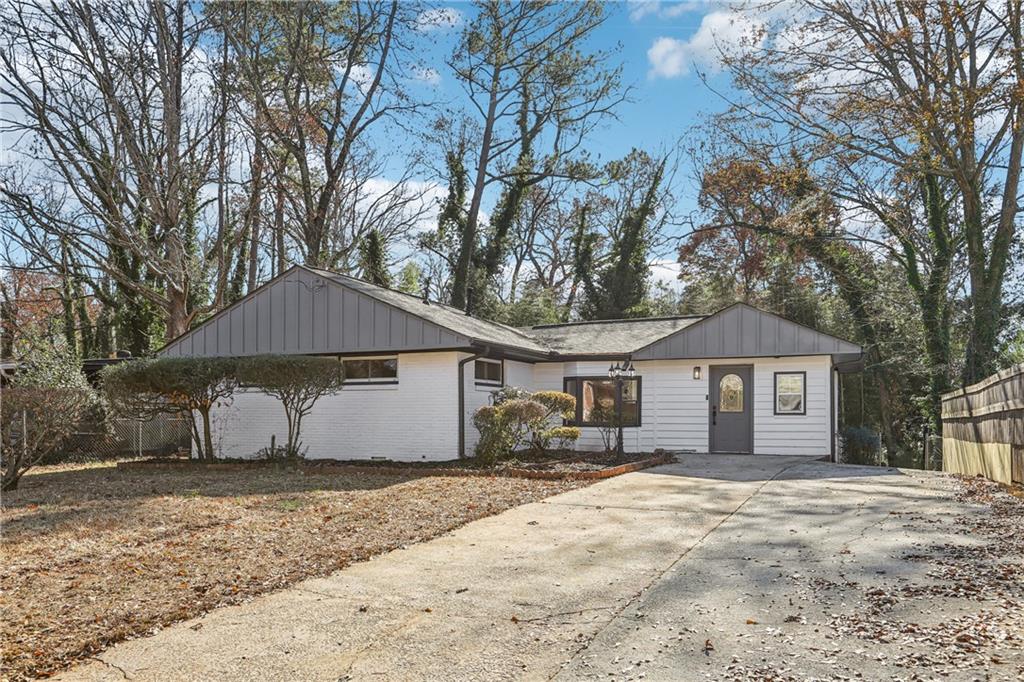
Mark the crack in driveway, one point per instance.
(672, 567)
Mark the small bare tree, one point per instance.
(297, 381)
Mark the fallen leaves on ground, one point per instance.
(94, 555)
(987, 571)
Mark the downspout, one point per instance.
(462, 400)
(833, 400)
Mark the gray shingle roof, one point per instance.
(608, 337)
(446, 316)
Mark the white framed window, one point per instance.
(489, 372)
(371, 370)
(791, 393)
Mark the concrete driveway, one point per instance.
(717, 567)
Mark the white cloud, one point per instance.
(666, 271)
(668, 58)
(641, 9)
(438, 19)
(719, 30)
(425, 74)
(638, 9)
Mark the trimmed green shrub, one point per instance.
(561, 404)
(298, 381)
(558, 406)
(140, 389)
(562, 436)
(495, 435)
(525, 419)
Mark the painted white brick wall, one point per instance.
(413, 420)
(518, 374)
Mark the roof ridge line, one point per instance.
(617, 320)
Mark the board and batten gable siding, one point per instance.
(304, 313)
(413, 420)
(675, 410)
(742, 331)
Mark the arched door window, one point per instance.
(730, 393)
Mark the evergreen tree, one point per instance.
(410, 279)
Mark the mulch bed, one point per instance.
(94, 555)
(565, 465)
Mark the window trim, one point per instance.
(577, 420)
(382, 381)
(488, 382)
(775, 394)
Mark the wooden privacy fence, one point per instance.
(983, 427)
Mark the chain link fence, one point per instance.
(98, 438)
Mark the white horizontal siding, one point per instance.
(674, 405)
(808, 434)
(413, 420)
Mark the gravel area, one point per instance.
(93, 555)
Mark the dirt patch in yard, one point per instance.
(94, 555)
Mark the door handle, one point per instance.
(714, 415)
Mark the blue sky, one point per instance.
(662, 46)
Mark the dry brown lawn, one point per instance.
(93, 555)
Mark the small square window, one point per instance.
(791, 393)
(488, 372)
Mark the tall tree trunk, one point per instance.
(67, 296)
(936, 307)
(279, 229)
(254, 214)
(467, 249)
(222, 180)
(835, 258)
(170, 37)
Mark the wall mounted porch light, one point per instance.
(696, 373)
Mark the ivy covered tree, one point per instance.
(620, 286)
(373, 259)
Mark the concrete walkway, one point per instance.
(575, 586)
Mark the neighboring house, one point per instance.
(740, 380)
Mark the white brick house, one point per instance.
(740, 380)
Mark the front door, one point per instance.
(732, 408)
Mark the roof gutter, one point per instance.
(462, 398)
